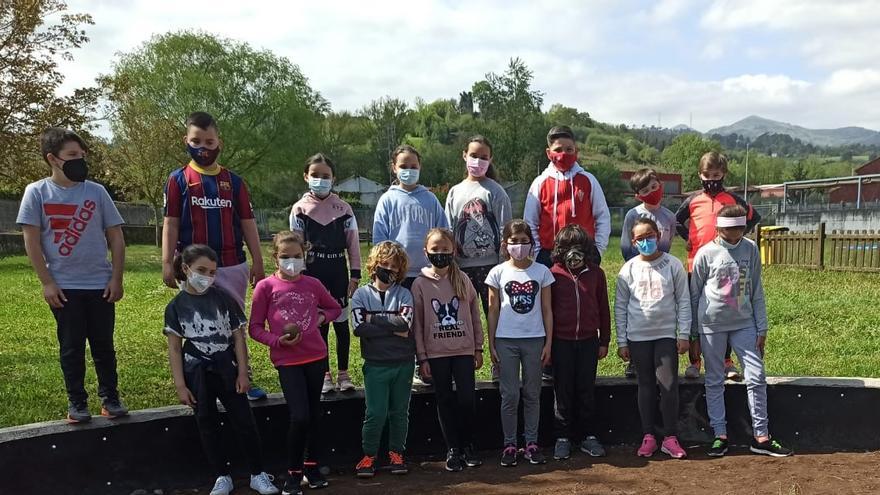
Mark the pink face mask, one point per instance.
(519, 252)
(477, 167)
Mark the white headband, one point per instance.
(730, 222)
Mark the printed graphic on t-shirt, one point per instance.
(734, 283)
(650, 286)
(208, 334)
(448, 325)
(477, 230)
(286, 301)
(522, 295)
(68, 222)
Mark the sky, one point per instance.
(808, 62)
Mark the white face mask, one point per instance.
(320, 187)
(728, 245)
(291, 266)
(199, 282)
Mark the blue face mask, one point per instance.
(647, 246)
(320, 187)
(408, 176)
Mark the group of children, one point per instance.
(431, 270)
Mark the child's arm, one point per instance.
(626, 247)
(476, 320)
(682, 218)
(380, 222)
(402, 321)
(294, 222)
(532, 211)
(601, 214)
(115, 240)
(682, 301)
(759, 306)
(697, 284)
(621, 316)
(257, 328)
(353, 244)
(418, 324)
(360, 315)
(440, 215)
(171, 229)
(242, 382)
(503, 209)
(175, 360)
(447, 209)
(604, 315)
(252, 239)
(492, 320)
(327, 304)
(547, 315)
(34, 249)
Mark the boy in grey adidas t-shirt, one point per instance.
(727, 298)
(68, 223)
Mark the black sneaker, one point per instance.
(718, 448)
(293, 483)
(113, 408)
(630, 371)
(533, 454)
(770, 447)
(313, 475)
(508, 456)
(366, 468)
(470, 457)
(453, 461)
(78, 412)
(397, 464)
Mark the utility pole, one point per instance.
(746, 185)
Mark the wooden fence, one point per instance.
(841, 251)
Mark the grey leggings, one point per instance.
(656, 363)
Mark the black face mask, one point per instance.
(76, 170)
(385, 275)
(713, 187)
(440, 260)
(574, 258)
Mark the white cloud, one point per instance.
(849, 81)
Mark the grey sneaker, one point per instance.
(630, 371)
(562, 449)
(263, 484)
(591, 446)
(113, 408)
(223, 486)
(692, 372)
(78, 412)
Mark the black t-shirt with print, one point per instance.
(206, 323)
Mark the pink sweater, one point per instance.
(299, 302)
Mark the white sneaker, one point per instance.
(262, 483)
(344, 382)
(329, 386)
(223, 486)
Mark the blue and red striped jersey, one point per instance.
(210, 207)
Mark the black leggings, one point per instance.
(343, 343)
(455, 408)
(207, 387)
(656, 363)
(301, 385)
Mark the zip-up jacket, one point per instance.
(580, 304)
(696, 218)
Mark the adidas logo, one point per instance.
(68, 222)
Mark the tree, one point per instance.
(267, 114)
(390, 120)
(33, 35)
(608, 175)
(683, 156)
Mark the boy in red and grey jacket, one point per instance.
(581, 332)
(565, 194)
(696, 224)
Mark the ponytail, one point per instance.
(459, 282)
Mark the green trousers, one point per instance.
(387, 390)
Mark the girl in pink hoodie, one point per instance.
(295, 306)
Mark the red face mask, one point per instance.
(652, 198)
(561, 160)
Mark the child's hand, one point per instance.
(545, 355)
(290, 339)
(402, 335)
(242, 383)
(168, 275)
(257, 273)
(623, 353)
(603, 352)
(352, 286)
(425, 370)
(478, 360)
(113, 291)
(683, 346)
(54, 295)
(493, 355)
(186, 396)
(761, 342)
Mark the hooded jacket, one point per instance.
(406, 217)
(580, 304)
(444, 325)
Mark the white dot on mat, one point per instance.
(166, 428)
(427, 403)
(104, 439)
(267, 418)
(797, 433)
(799, 396)
(332, 450)
(841, 395)
(54, 446)
(609, 431)
(221, 423)
(108, 483)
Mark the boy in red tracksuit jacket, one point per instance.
(696, 224)
(581, 332)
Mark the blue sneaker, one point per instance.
(256, 393)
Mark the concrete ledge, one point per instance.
(159, 448)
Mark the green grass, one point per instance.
(822, 323)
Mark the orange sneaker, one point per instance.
(366, 468)
(398, 466)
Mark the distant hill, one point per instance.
(754, 126)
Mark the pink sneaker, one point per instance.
(671, 447)
(649, 446)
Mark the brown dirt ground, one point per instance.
(624, 473)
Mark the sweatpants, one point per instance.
(343, 343)
(477, 275)
(387, 389)
(574, 381)
(513, 355)
(301, 385)
(455, 408)
(656, 363)
(743, 343)
(87, 316)
(207, 386)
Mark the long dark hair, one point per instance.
(320, 158)
(189, 255)
(403, 148)
(479, 138)
(515, 226)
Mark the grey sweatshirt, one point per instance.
(652, 300)
(477, 211)
(726, 289)
(665, 221)
(388, 312)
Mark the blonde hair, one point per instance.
(388, 252)
(456, 277)
(288, 237)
